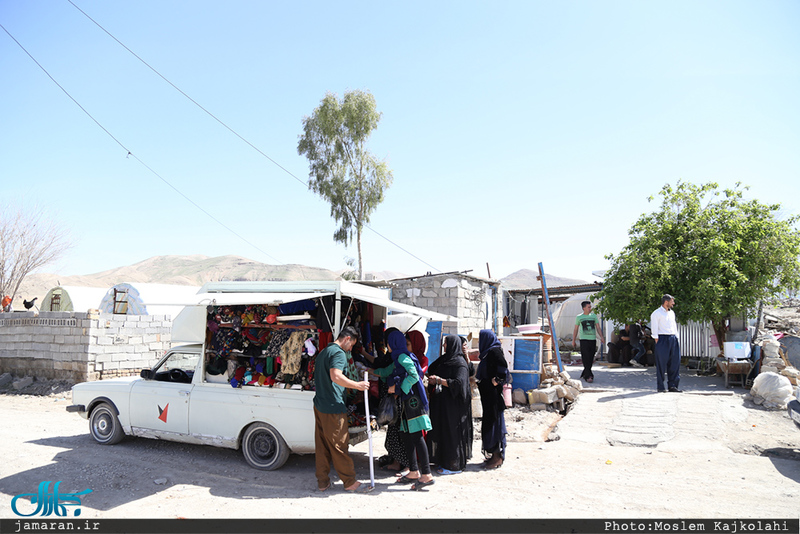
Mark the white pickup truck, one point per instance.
(177, 401)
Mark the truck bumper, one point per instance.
(76, 408)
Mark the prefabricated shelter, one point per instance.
(72, 298)
(146, 299)
(474, 301)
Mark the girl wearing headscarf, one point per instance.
(450, 439)
(405, 380)
(492, 374)
(396, 458)
(417, 348)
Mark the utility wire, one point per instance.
(234, 132)
(131, 154)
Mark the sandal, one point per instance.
(418, 485)
(326, 488)
(443, 471)
(405, 480)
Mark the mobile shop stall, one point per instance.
(266, 334)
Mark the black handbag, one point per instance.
(387, 411)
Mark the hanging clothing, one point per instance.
(450, 439)
(492, 365)
(291, 353)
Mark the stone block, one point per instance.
(135, 340)
(565, 376)
(572, 393)
(575, 384)
(538, 407)
(22, 383)
(768, 369)
(5, 379)
(561, 391)
(771, 349)
(110, 366)
(774, 362)
(551, 393)
(518, 396)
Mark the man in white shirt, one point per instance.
(668, 351)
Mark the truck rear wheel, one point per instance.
(104, 425)
(264, 448)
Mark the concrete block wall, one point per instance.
(80, 346)
(462, 297)
(123, 345)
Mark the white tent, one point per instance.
(147, 299)
(72, 298)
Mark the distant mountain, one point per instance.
(179, 270)
(197, 270)
(526, 279)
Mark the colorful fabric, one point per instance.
(292, 353)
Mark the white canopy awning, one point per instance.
(405, 308)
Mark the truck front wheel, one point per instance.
(104, 425)
(263, 447)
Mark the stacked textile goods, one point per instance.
(275, 346)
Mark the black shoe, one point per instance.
(662, 390)
(675, 390)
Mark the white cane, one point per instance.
(369, 434)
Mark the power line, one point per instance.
(129, 153)
(234, 132)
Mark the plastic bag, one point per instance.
(387, 411)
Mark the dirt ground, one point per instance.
(727, 458)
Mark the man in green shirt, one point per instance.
(590, 328)
(331, 436)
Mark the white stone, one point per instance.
(518, 396)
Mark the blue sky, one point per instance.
(517, 132)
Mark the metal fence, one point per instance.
(695, 339)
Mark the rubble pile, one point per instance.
(555, 389)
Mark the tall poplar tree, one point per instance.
(341, 169)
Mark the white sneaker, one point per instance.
(636, 364)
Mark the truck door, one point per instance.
(160, 405)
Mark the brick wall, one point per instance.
(81, 346)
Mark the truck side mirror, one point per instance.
(147, 374)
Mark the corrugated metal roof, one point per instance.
(561, 290)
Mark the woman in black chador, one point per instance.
(492, 374)
(450, 440)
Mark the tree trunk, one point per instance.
(360, 263)
(719, 330)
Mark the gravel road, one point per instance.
(724, 457)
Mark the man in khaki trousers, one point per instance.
(331, 436)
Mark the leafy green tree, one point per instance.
(716, 252)
(342, 170)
